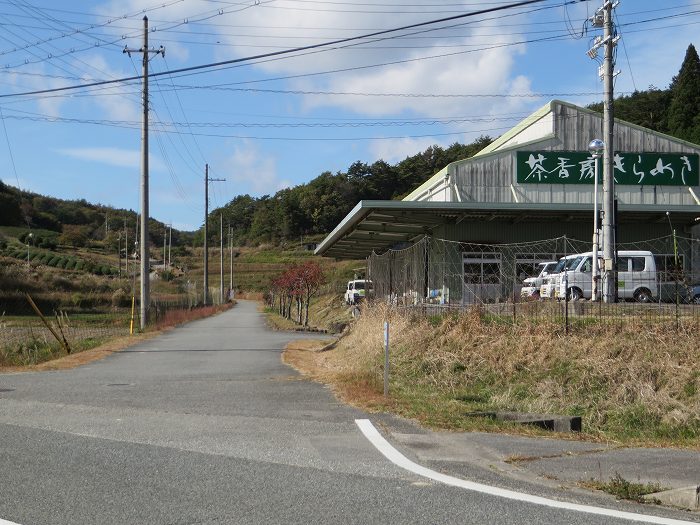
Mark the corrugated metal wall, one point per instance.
(492, 178)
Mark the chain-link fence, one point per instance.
(47, 327)
(555, 279)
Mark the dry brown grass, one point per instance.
(179, 316)
(630, 382)
(67, 362)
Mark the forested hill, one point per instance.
(73, 222)
(319, 205)
(675, 111)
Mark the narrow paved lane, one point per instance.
(206, 425)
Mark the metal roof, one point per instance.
(379, 225)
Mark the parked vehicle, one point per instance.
(550, 285)
(636, 277)
(531, 285)
(694, 294)
(357, 290)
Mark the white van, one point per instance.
(636, 277)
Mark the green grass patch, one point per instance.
(624, 489)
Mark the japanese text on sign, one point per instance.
(639, 169)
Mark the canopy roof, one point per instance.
(379, 225)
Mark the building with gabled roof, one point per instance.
(536, 182)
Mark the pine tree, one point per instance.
(684, 110)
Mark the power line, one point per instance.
(281, 53)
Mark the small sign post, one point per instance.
(386, 358)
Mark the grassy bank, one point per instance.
(26, 342)
(630, 385)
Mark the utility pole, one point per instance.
(230, 245)
(165, 244)
(603, 17)
(221, 256)
(170, 244)
(207, 180)
(126, 249)
(145, 255)
(609, 219)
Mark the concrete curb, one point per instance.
(684, 498)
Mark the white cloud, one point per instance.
(117, 101)
(122, 158)
(252, 171)
(395, 150)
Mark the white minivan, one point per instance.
(636, 276)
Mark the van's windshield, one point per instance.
(560, 266)
(573, 263)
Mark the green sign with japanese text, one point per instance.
(636, 169)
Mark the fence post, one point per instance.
(386, 358)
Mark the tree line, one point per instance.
(316, 207)
(75, 222)
(674, 111)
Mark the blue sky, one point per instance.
(271, 123)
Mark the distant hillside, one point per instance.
(315, 208)
(73, 222)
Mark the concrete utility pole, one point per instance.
(221, 256)
(119, 253)
(207, 180)
(230, 247)
(206, 234)
(609, 219)
(126, 249)
(145, 255)
(170, 243)
(603, 17)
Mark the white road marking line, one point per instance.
(393, 455)
(5, 522)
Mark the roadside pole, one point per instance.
(386, 358)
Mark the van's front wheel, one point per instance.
(643, 295)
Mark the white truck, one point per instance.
(357, 290)
(550, 284)
(531, 285)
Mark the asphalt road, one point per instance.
(205, 424)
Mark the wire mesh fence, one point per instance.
(556, 279)
(62, 327)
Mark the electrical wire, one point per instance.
(278, 53)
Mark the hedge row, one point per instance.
(62, 262)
